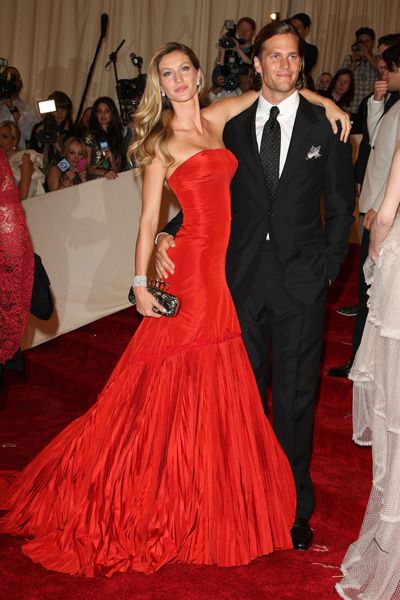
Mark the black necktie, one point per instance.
(270, 151)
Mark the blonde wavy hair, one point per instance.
(14, 130)
(71, 141)
(152, 120)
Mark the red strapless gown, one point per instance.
(176, 460)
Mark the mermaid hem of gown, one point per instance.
(213, 454)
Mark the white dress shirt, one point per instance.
(287, 114)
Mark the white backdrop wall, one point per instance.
(86, 237)
(53, 42)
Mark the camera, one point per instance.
(47, 135)
(130, 91)
(231, 69)
(229, 39)
(356, 47)
(231, 72)
(8, 81)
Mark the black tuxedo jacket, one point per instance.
(307, 254)
(310, 57)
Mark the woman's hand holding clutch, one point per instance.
(146, 303)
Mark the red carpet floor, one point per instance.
(63, 377)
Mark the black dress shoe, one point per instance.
(302, 535)
(342, 370)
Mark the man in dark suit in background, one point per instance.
(302, 22)
(280, 258)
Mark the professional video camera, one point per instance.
(8, 82)
(231, 72)
(232, 68)
(227, 41)
(130, 91)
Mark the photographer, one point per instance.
(13, 108)
(235, 50)
(71, 170)
(56, 127)
(364, 64)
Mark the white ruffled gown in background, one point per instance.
(371, 566)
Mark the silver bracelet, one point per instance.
(139, 281)
(158, 236)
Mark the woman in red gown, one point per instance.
(176, 460)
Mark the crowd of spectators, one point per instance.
(96, 146)
(52, 151)
(350, 86)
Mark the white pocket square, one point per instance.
(313, 152)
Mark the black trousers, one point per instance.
(362, 311)
(272, 325)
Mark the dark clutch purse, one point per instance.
(157, 287)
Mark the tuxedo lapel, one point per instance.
(249, 148)
(300, 141)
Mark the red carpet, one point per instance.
(62, 379)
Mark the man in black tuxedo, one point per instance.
(302, 22)
(281, 258)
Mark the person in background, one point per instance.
(16, 266)
(26, 165)
(83, 125)
(371, 566)
(104, 140)
(245, 32)
(387, 96)
(324, 81)
(302, 23)
(341, 88)
(64, 125)
(364, 64)
(240, 55)
(74, 152)
(15, 109)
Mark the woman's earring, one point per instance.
(198, 83)
(163, 93)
